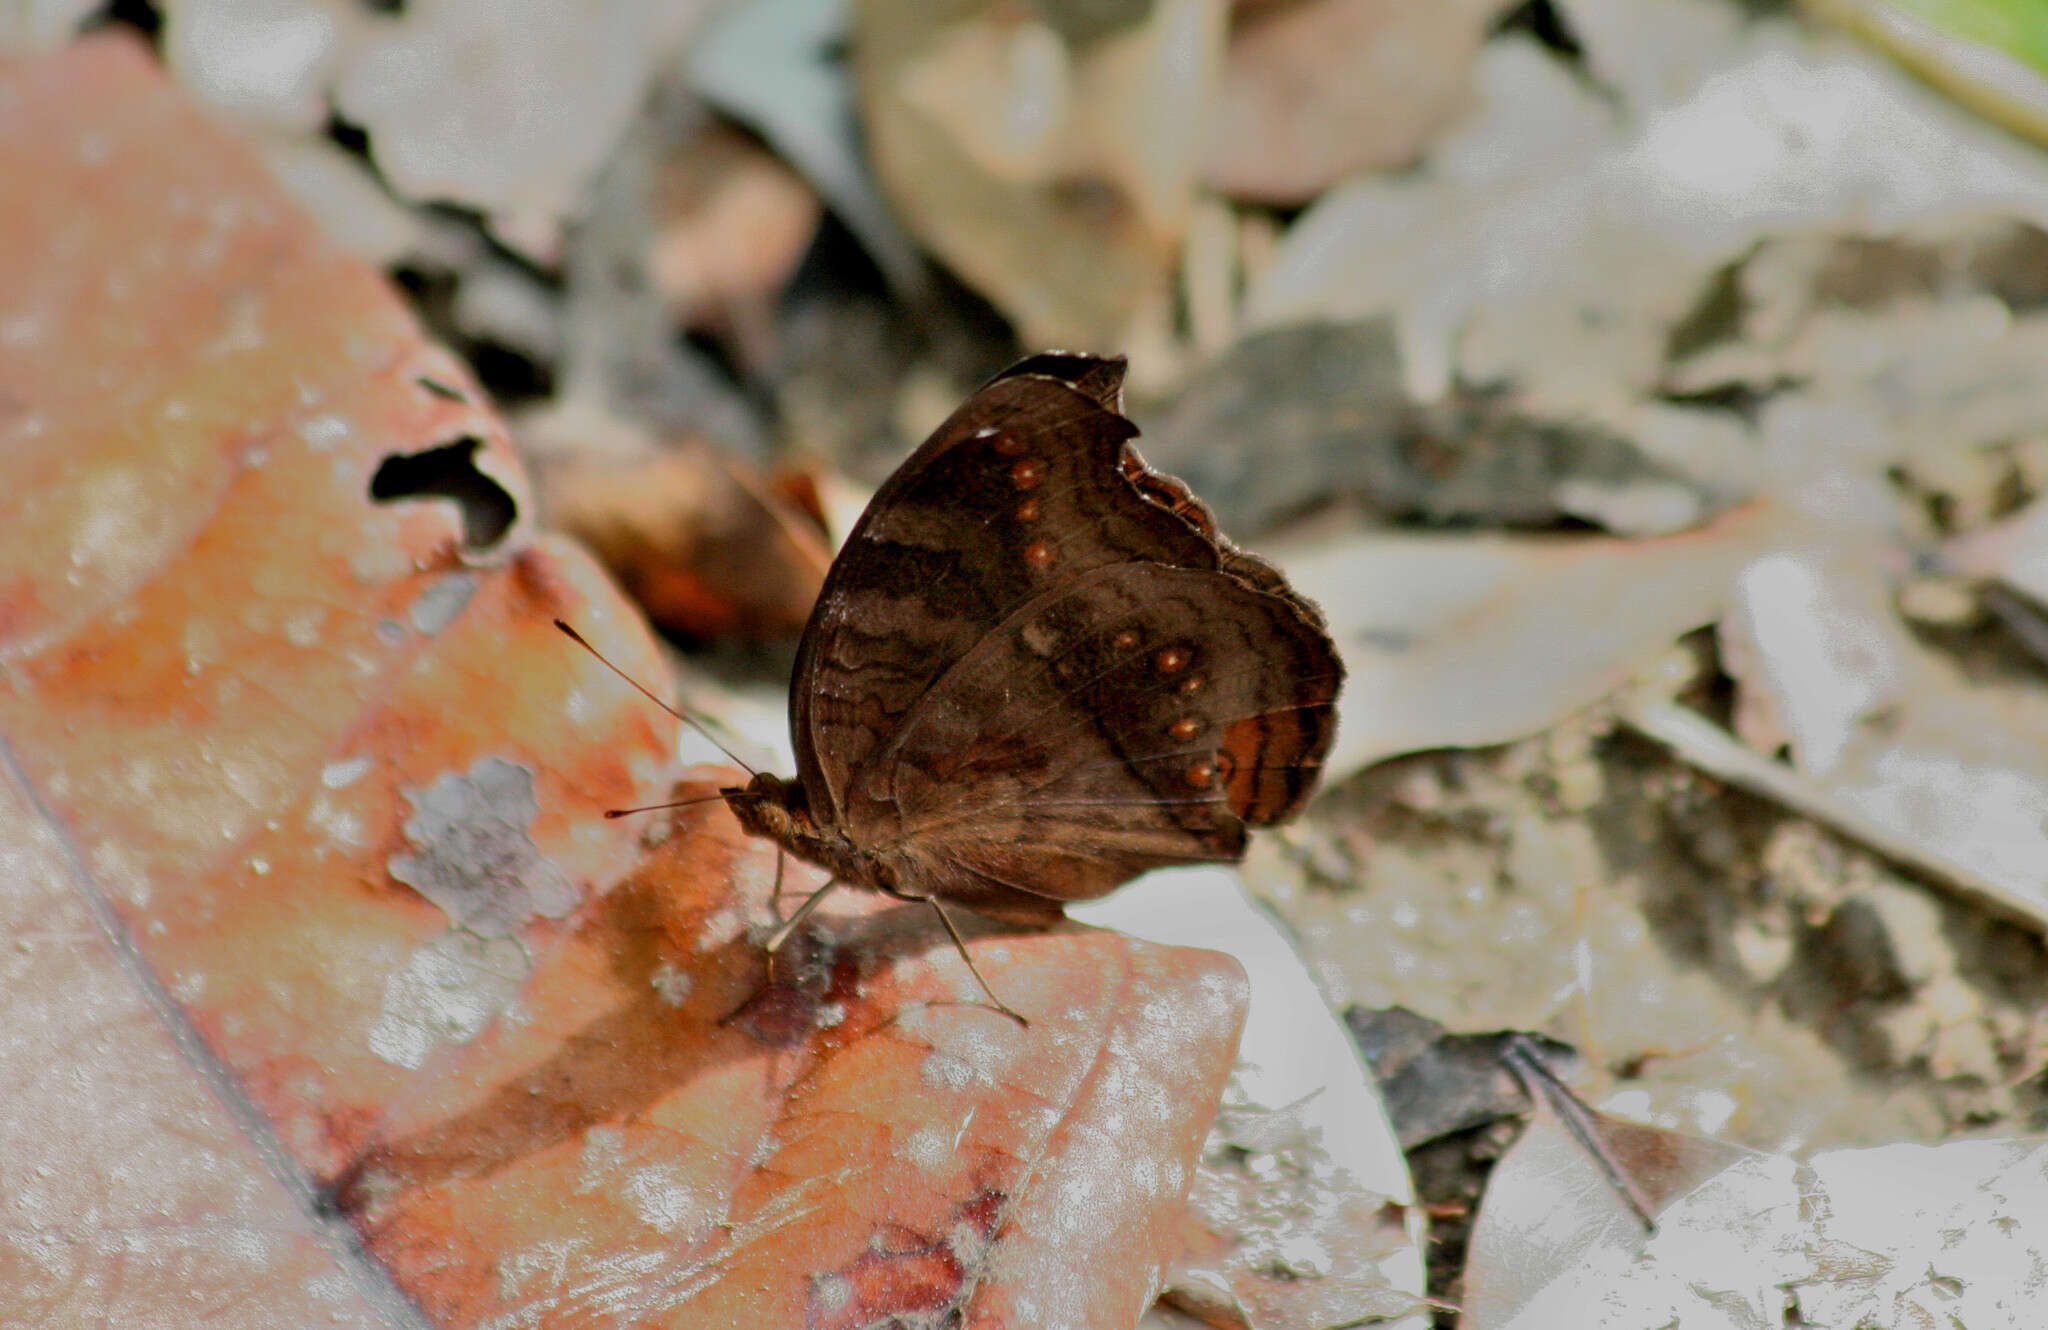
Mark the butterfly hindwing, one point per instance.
(1136, 716)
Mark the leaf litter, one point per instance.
(1723, 284)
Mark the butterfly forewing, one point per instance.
(1021, 483)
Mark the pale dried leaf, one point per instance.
(1891, 1238)
(1570, 285)
(507, 110)
(1054, 176)
(770, 64)
(1313, 92)
(1812, 634)
(1470, 640)
(1890, 729)
(266, 61)
(1302, 1174)
(140, 1191)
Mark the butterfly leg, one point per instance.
(960, 945)
(795, 921)
(783, 932)
(775, 896)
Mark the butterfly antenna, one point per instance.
(656, 808)
(738, 761)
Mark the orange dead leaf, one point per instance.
(303, 792)
(698, 538)
(871, 1139)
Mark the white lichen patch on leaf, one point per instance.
(448, 993)
(335, 826)
(341, 775)
(118, 516)
(946, 1071)
(830, 1292)
(473, 857)
(604, 1152)
(443, 599)
(201, 640)
(663, 1199)
(671, 983)
(967, 1049)
(323, 432)
(302, 626)
(721, 928)
(928, 1147)
(658, 1191)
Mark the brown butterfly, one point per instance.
(1036, 670)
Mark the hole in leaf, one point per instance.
(449, 472)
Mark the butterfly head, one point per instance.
(771, 807)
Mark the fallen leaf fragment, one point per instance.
(696, 535)
(1987, 54)
(135, 1193)
(731, 223)
(776, 66)
(1943, 769)
(1312, 92)
(1049, 161)
(282, 696)
(507, 111)
(1888, 1238)
(1296, 417)
(1472, 640)
(1302, 1214)
(1555, 246)
(1556, 1243)
(872, 1140)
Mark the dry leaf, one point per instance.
(731, 223)
(778, 66)
(1471, 640)
(1563, 266)
(1891, 1238)
(1302, 1214)
(1312, 92)
(871, 1139)
(509, 110)
(698, 538)
(1892, 730)
(307, 789)
(1051, 167)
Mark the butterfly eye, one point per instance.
(1008, 445)
(1028, 474)
(1029, 511)
(1201, 775)
(1171, 660)
(1190, 685)
(1125, 639)
(1039, 555)
(1184, 729)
